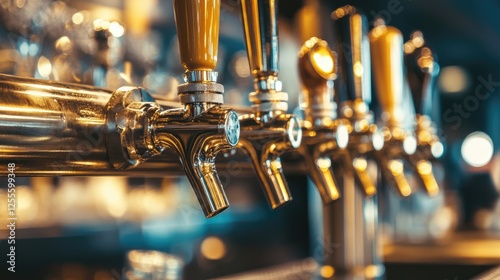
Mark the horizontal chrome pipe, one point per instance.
(52, 128)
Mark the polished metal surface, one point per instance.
(350, 223)
(76, 129)
(202, 129)
(260, 26)
(353, 44)
(323, 135)
(268, 132)
(386, 43)
(264, 143)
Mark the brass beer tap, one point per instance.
(386, 44)
(323, 134)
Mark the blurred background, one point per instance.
(82, 227)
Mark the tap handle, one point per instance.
(421, 72)
(354, 47)
(386, 44)
(197, 24)
(260, 27)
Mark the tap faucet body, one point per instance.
(386, 44)
(324, 136)
(268, 131)
(351, 221)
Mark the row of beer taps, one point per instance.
(136, 128)
(126, 130)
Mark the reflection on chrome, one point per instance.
(268, 132)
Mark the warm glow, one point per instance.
(327, 271)
(358, 69)
(116, 29)
(477, 149)
(378, 140)
(77, 18)
(241, 67)
(453, 79)
(324, 163)
(437, 149)
(410, 145)
(44, 67)
(323, 61)
(213, 248)
(342, 136)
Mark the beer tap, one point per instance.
(202, 128)
(364, 136)
(323, 134)
(421, 72)
(268, 131)
(351, 221)
(386, 45)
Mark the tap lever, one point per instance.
(386, 45)
(421, 72)
(260, 27)
(353, 44)
(197, 24)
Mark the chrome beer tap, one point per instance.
(421, 72)
(323, 134)
(386, 45)
(268, 131)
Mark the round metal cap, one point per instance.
(232, 128)
(294, 132)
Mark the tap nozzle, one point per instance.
(268, 132)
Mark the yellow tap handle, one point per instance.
(386, 45)
(197, 23)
